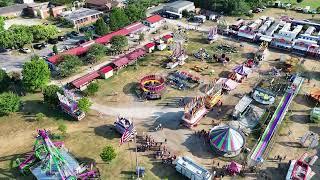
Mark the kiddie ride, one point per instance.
(51, 160)
(69, 104)
(202, 54)
(213, 35)
(152, 87)
(177, 57)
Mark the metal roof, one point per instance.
(81, 13)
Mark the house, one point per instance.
(44, 10)
(82, 82)
(179, 6)
(106, 72)
(104, 5)
(150, 47)
(82, 16)
(13, 11)
(153, 21)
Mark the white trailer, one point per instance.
(191, 170)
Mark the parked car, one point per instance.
(74, 33)
(53, 41)
(25, 50)
(61, 38)
(4, 50)
(39, 46)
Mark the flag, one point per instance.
(127, 134)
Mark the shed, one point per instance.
(167, 38)
(82, 82)
(150, 47)
(106, 72)
(153, 21)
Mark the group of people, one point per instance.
(203, 134)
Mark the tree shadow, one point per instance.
(107, 131)
(30, 108)
(302, 99)
(274, 172)
(291, 144)
(165, 171)
(130, 88)
(169, 120)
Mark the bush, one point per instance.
(62, 128)
(69, 65)
(9, 102)
(84, 104)
(40, 116)
(92, 89)
(4, 80)
(108, 154)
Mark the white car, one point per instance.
(25, 50)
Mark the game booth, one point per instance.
(234, 168)
(227, 84)
(226, 140)
(242, 70)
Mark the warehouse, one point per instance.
(179, 6)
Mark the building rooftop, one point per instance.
(80, 13)
(85, 79)
(13, 8)
(154, 19)
(179, 4)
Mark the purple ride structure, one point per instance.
(51, 160)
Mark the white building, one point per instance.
(179, 6)
(284, 38)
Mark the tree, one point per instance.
(35, 73)
(84, 104)
(95, 53)
(118, 19)
(4, 80)
(318, 9)
(9, 102)
(135, 11)
(40, 116)
(108, 154)
(141, 37)
(299, 1)
(92, 88)
(185, 13)
(55, 49)
(118, 43)
(20, 35)
(50, 95)
(69, 65)
(89, 35)
(101, 27)
(1, 24)
(42, 32)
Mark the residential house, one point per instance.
(153, 21)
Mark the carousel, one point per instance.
(226, 140)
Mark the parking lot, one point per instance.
(14, 60)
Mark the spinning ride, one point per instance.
(213, 34)
(194, 111)
(50, 160)
(152, 86)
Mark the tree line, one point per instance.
(229, 7)
(19, 35)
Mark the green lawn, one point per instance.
(311, 3)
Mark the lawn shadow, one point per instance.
(302, 99)
(291, 144)
(169, 120)
(107, 131)
(30, 108)
(274, 172)
(223, 74)
(301, 118)
(165, 171)
(130, 88)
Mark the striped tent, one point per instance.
(226, 140)
(242, 70)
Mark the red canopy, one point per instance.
(85, 79)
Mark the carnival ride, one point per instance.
(194, 111)
(152, 86)
(300, 169)
(315, 115)
(226, 140)
(261, 53)
(202, 54)
(213, 94)
(51, 160)
(69, 104)
(213, 35)
(178, 56)
(263, 96)
(222, 26)
(257, 155)
(122, 124)
(182, 80)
